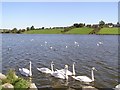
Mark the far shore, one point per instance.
(73, 31)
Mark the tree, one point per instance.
(32, 28)
(81, 25)
(101, 23)
(76, 25)
(42, 27)
(118, 23)
(28, 28)
(14, 30)
(88, 25)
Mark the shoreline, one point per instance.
(57, 34)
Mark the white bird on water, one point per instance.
(99, 43)
(84, 79)
(51, 47)
(76, 42)
(46, 70)
(45, 42)
(117, 87)
(32, 40)
(66, 46)
(64, 71)
(60, 75)
(25, 71)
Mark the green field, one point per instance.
(84, 30)
(45, 31)
(109, 31)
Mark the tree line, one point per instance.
(65, 29)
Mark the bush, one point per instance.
(21, 84)
(0, 85)
(17, 82)
(11, 77)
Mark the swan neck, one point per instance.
(30, 69)
(66, 76)
(92, 75)
(73, 70)
(52, 67)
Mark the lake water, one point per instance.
(19, 49)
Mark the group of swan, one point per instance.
(56, 73)
(62, 74)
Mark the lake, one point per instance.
(19, 49)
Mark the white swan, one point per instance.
(100, 42)
(64, 71)
(75, 42)
(60, 75)
(117, 87)
(25, 71)
(66, 46)
(51, 47)
(84, 79)
(45, 42)
(46, 70)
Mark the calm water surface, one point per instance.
(18, 50)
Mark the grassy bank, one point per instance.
(58, 31)
(84, 30)
(109, 31)
(80, 31)
(45, 31)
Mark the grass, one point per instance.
(45, 31)
(84, 30)
(109, 31)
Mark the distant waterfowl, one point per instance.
(51, 47)
(9, 49)
(45, 42)
(32, 40)
(25, 71)
(66, 46)
(75, 42)
(84, 79)
(100, 42)
(60, 75)
(46, 70)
